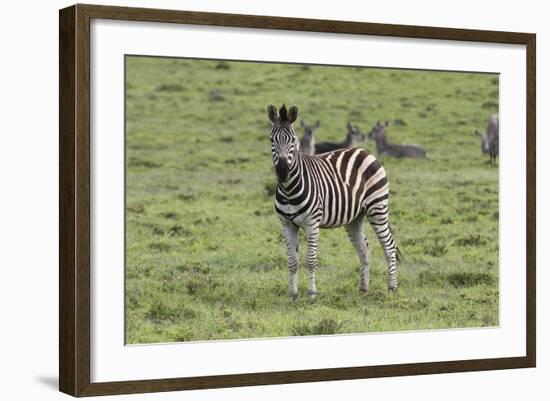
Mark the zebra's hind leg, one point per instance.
(378, 218)
(312, 235)
(290, 232)
(357, 237)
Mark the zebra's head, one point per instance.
(284, 142)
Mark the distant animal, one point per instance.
(353, 138)
(384, 148)
(489, 140)
(307, 143)
(335, 189)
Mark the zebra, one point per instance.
(354, 137)
(489, 139)
(331, 190)
(307, 143)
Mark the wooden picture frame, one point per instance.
(74, 200)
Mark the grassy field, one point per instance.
(204, 254)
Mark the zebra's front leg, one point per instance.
(312, 235)
(357, 237)
(290, 232)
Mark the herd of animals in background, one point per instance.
(354, 136)
(489, 140)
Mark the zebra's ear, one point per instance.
(272, 113)
(302, 123)
(292, 114)
(349, 126)
(317, 124)
(387, 123)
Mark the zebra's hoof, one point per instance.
(363, 290)
(293, 297)
(392, 290)
(312, 295)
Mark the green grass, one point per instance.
(204, 254)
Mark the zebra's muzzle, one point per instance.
(282, 169)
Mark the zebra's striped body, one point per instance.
(334, 189)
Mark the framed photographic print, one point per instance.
(250, 200)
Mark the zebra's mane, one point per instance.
(283, 114)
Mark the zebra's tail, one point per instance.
(398, 254)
